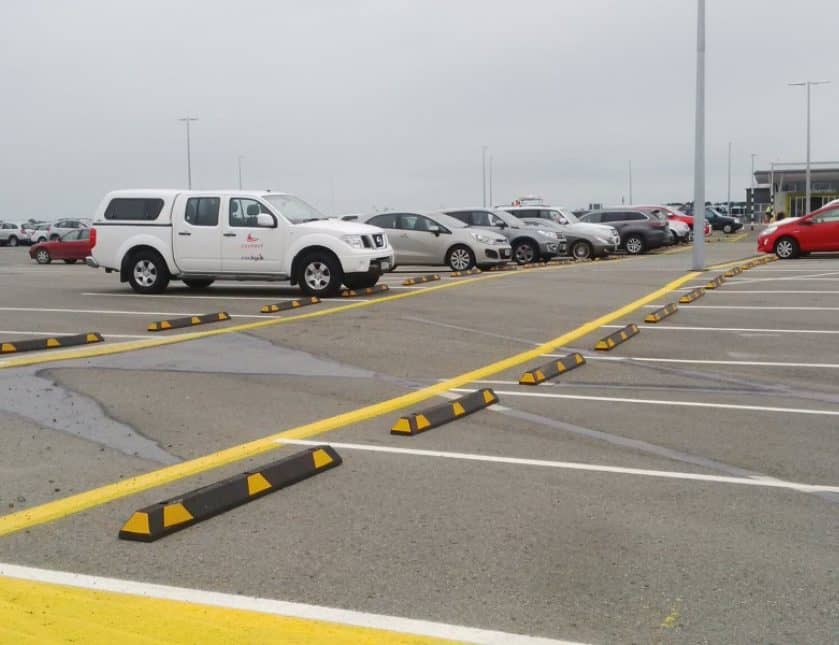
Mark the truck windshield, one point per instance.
(293, 208)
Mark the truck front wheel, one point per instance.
(148, 272)
(320, 275)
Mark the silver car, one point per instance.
(435, 239)
(61, 227)
(12, 234)
(529, 244)
(39, 233)
(584, 240)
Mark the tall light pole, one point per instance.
(752, 185)
(729, 179)
(808, 85)
(484, 170)
(699, 145)
(239, 160)
(490, 181)
(186, 120)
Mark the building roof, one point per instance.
(797, 174)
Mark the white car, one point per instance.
(59, 228)
(153, 236)
(12, 234)
(436, 239)
(681, 232)
(39, 233)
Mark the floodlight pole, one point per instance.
(186, 120)
(807, 191)
(484, 171)
(699, 145)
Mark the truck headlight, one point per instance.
(353, 241)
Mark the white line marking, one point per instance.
(754, 307)
(660, 327)
(740, 292)
(70, 333)
(573, 465)
(266, 299)
(118, 312)
(688, 361)
(275, 607)
(687, 404)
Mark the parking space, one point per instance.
(664, 491)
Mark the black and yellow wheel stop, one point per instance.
(53, 342)
(621, 336)
(692, 295)
(158, 520)
(660, 314)
(188, 321)
(440, 414)
(552, 369)
(426, 278)
(351, 293)
(289, 304)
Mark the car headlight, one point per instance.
(769, 231)
(483, 239)
(353, 241)
(551, 234)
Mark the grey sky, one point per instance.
(354, 105)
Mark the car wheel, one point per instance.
(70, 261)
(581, 250)
(42, 256)
(320, 275)
(786, 248)
(361, 280)
(198, 284)
(634, 244)
(460, 258)
(148, 272)
(525, 252)
(12, 241)
(727, 229)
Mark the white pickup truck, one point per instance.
(153, 236)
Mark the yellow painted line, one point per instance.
(737, 238)
(97, 496)
(38, 612)
(130, 346)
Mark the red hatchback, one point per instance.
(71, 247)
(816, 231)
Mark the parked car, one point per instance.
(717, 220)
(673, 214)
(57, 229)
(436, 238)
(71, 248)
(12, 234)
(679, 231)
(639, 231)
(153, 236)
(39, 233)
(795, 236)
(528, 243)
(584, 240)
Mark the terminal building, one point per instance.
(784, 186)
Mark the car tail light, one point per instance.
(92, 237)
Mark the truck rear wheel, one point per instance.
(147, 272)
(320, 275)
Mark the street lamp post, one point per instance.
(729, 178)
(807, 195)
(699, 145)
(186, 120)
(490, 181)
(240, 171)
(752, 185)
(484, 171)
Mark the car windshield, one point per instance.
(568, 215)
(510, 220)
(293, 208)
(548, 224)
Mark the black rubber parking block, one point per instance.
(289, 304)
(350, 293)
(552, 369)
(440, 414)
(53, 342)
(692, 295)
(620, 336)
(660, 314)
(188, 321)
(425, 278)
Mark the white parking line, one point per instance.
(741, 292)
(754, 307)
(269, 606)
(118, 312)
(67, 333)
(687, 404)
(660, 327)
(175, 296)
(573, 465)
(689, 361)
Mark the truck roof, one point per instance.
(172, 192)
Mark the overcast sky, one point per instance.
(386, 103)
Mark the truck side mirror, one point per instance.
(264, 220)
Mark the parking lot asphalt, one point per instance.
(680, 488)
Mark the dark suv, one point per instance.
(639, 231)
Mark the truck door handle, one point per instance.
(184, 233)
(230, 235)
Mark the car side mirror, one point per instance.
(264, 220)
(434, 228)
(502, 225)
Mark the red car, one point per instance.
(816, 231)
(672, 213)
(71, 247)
